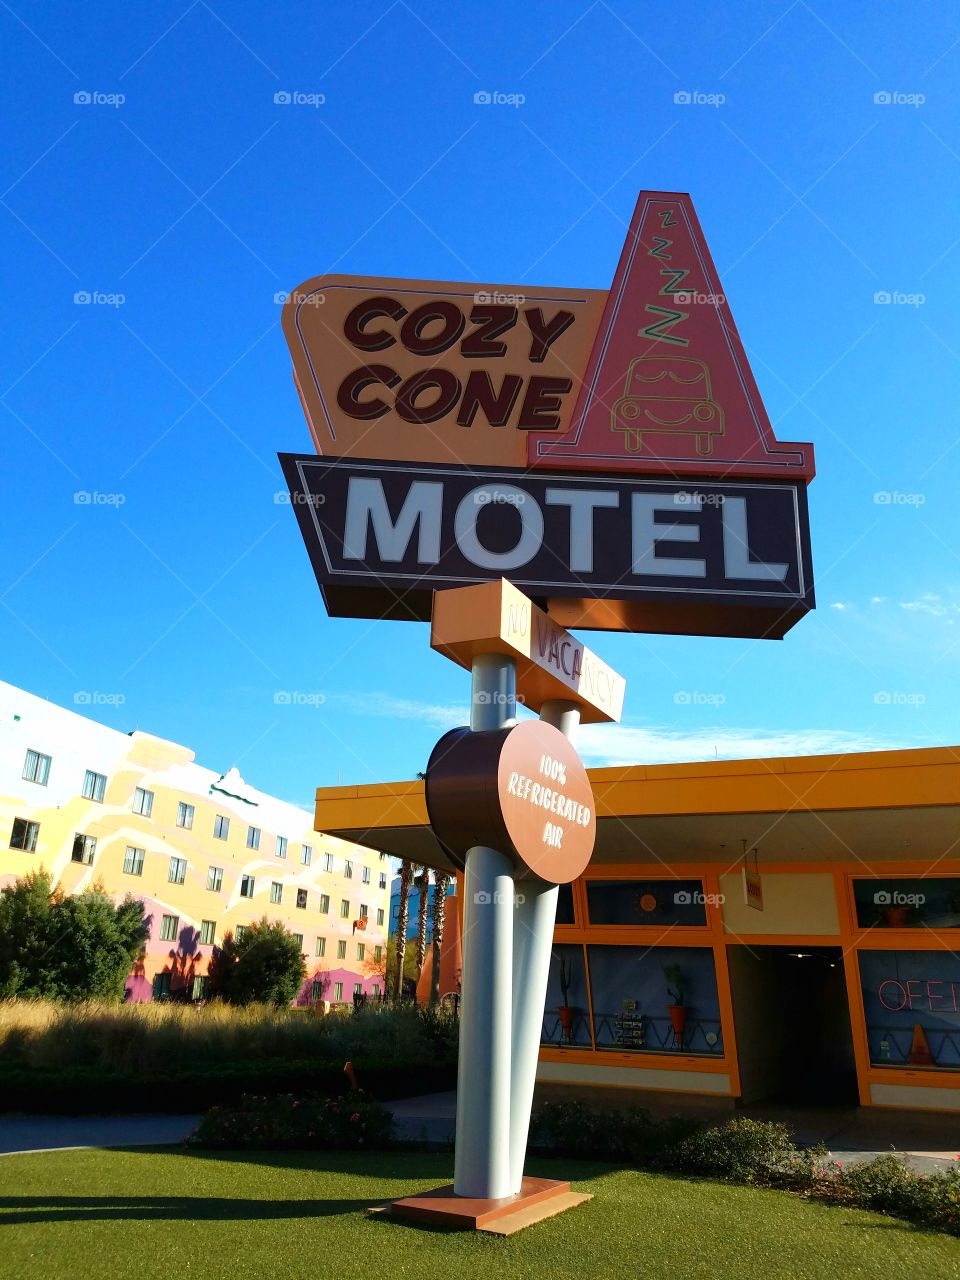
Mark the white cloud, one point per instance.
(656, 744)
(839, 605)
(385, 705)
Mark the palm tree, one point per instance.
(403, 915)
(423, 889)
(440, 883)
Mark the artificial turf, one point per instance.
(141, 1214)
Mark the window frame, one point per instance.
(143, 796)
(99, 783)
(41, 764)
(169, 933)
(31, 834)
(136, 864)
(185, 811)
(84, 860)
(177, 869)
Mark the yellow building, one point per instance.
(206, 852)
(807, 910)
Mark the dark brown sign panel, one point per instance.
(705, 557)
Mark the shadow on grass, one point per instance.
(55, 1209)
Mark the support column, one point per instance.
(482, 1155)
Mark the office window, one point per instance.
(221, 827)
(324, 903)
(178, 871)
(379, 915)
(24, 835)
(246, 886)
(276, 892)
(321, 946)
(200, 988)
(208, 932)
(341, 950)
(361, 950)
(281, 848)
(338, 991)
(143, 802)
(36, 768)
(378, 954)
(383, 879)
(302, 899)
(358, 988)
(185, 815)
(306, 854)
(240, 932)
(161, 986)
(298, 939)
(348, 868)
(84, 847)
(328, 862)
(364, 911)
(133, 861)
(215, 878)
(316, 989)
(94, 785)
(169, 928)
(365, 877)
(253, 837)
(344, 908)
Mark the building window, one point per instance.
(246, 886)
(366, 875)
(364, 911)
(281, 848)
(276, 893)
(133, 861)
(361, 950)
(341, 950)
(316, 989)
(36, 768)
(221, 827)
(302, 899)
(253, 837)
(94, 785)
(344, 908)
(348, 868)
(298, 939)
(208, 932)
(161, 986)
(178, 871)
(200, 988)
(375, 989)
(306, 854)
(379, 915)
(143, 802)
(328, 862)
(185, 815)
(215, 878)
(378, 954)
(647, 902)
(324, 903)
(890, 902)
(358, 988)
(321, 946)
(383, 879)
(169, 928)
(338, 991)
(240, 932)
(24, 835)
(84, 847)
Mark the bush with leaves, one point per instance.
(288, 1122)
(266, 965)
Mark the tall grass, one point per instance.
(167, 1037)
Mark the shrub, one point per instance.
(266, 965)
(744, 1150)
(288, 1122)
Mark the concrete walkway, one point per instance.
(51, 1133)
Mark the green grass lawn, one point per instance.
(136, 1215)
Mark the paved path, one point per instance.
(48, 1133)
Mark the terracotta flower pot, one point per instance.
(678, 1020)
(565, 1013)
(895, 917)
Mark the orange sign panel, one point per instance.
(669, 389)
(434, 371)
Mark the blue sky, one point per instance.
(186, 604)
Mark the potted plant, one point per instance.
(566, 1010)
(676, 988)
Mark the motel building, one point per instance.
(828, 973)
(207, 853)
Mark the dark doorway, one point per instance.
(792, 1021)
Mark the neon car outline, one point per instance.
(631, 416)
